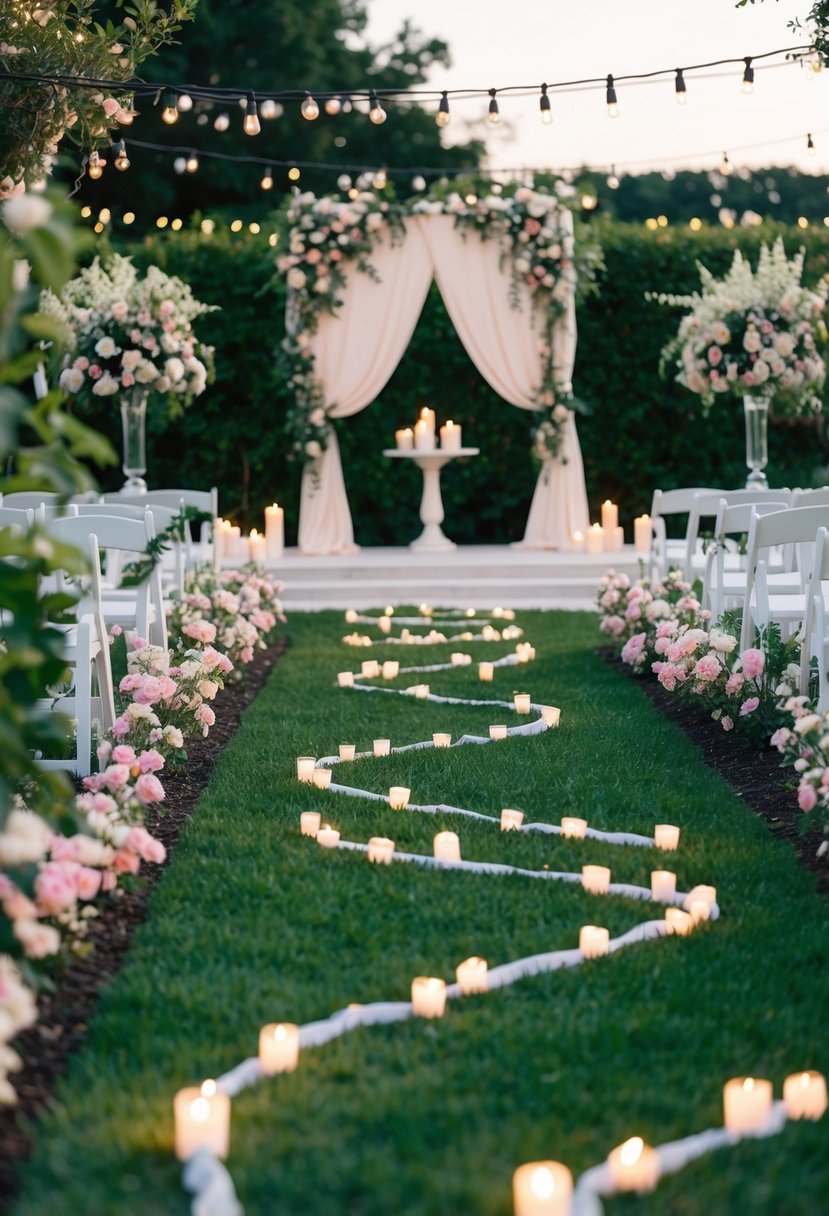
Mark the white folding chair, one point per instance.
(16, 517)
(816, 624)
(706, 506)
(723, 588)
(811, 498)
(779, 597)
(173, 563)
(666, 552)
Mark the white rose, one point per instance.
(162, 385)
(522, 266)
(722, 642)
(146, 372)
(208, 689)
(27, 211)
(296, 279)
(38, 940)
(761, 371)
(317, 417)
(136, 711)
(119, 835)
(71, 379)
(806, 723)
(312, 449)
(106, 348)
(784, 345)
(169, 344)
(106, 386)
(751, 341)
(174, 368)
(174, 737)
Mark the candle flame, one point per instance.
(476, 961)
(434, 983)
(280, 1033)
(200, 1110)
(631, 1150)
(253, 533)
(748, 1084)
(805, 1080)
(208, 1089)
(542, 1183)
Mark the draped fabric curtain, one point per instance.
(357, 351)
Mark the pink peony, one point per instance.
(147, 847)
(734, 683)
(148, 788)
(749, 706)
(123, 754)
(151, 761)
(707, 668)
(753, 662)
(89, 882)
(56, 887)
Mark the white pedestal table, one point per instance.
(430, 461)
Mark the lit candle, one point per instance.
(442, 740)
(384, 624)
(593, 940)
(391, 669)
(422, 692)
(381, 850)
(202, 1119)
(578, 542)
(322, 778)
(634, 1166)
(666, 836)
(700, 901)
(573, 827)
(472, 975)
(747, 1104)
(679, 922)
(522, 702)
(389, 610)
(595, 879)
(399, 797)
(220, 537)
(497, 732)
(347, 751)
(278, 1047)
(614, 539)
(459, 659)
(698, 909)
(382, 747)
(426, 609)
(328, 837)
(489, 634)
(345, 679)
(511, 820)
(485, 672)
(352, 616)
(233, 541)
(804, 1094)
(428, 996)
(450, 437)
(274, 532)
(594, 540)
(610, 515)
(428, 417)
(642, 535)
(370, 668)
(424, 437)
(309, 822)
(542, 1188)
(551, 715)
(663, 886)
(305, 766)
(404, 439)
(447, 846)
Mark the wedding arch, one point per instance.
(358, 273)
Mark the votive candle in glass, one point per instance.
(428, 996)
(391, 669)
(328, 837)
(442, 740)
(679, 922)
(486, 672)
(202, 1120)
(381, 850)
(345, 679)
(551, 714)
(472, 975)
(309, 823)
(511, 820)
(593, 940)
(497, 732)
(700, 901)
(666, 836)
(348, 751)
(382, 747)
(663, 886)
(595, 879)
(747, 1104)
(634, 1166)
(804, 1095)
(542, 1188)
(322, 778)
(522, 702)
(352, 616)
(447, 846)
(305, 767)
(459, 659)
(278, 1047)
(573, 827)
(370, 668)
(422, 692)
(399, 797)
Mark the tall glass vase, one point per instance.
(757, 448)
(134, 425)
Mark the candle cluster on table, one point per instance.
(423, 438)
(609, 537)
(257, 547)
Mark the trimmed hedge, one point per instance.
(643, 432)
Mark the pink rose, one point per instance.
(714, 355)
(726, 722)
(123, 754)
(96, 372)
(116, 776)
(146, 846)
(753, 662)
(125, 862)
(127, 380)
(121, 728)
(64, 848)
(148, 788)
(707, 668)
(201, 631)
(781, 737)
(81, 363)
(205, 715)
(734, 683)
(151, 761)
(111, 106)
(56, 887)
(806, 796)
(749, 706)
(89, 882)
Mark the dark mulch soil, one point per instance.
(64, 1013)
(755, 776)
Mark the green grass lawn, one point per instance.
(253, 923)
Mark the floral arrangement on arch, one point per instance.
(130, 334)
(752, 333)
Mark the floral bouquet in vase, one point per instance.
(753, 334)
(128, 336)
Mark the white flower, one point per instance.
(106, 386)
(174, 369)
(522, 266)
(313, 450)
(317, 417)
(20, 274)
(806, 723)
(130, 360)
(784, 345)
(25, 838)
(71, 379)
(136, 711)
(296, 279)
(105, 348)
(146, 372)
(27, 211)
(722, 642)
(174, 737)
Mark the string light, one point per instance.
(810, 146)
(222, 122)
(161, 222)
(96, 165)
(680, 91)
(293, 174)
(544, 107)
(251, 125)
(333, 106)
(191, 165)
(493, 117)
(748, 76)
(122, 161)
(177, 225)
(129, 217)
(443, 117)
(610, 97)
(170, 112)
(270, 109)
(309, 108)
(267, 179)
(612, 180)
(184, 103)
(376, 112)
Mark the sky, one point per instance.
(504, 42)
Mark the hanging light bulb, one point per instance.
(725, 165)
(810, 146)
(96, 165)
(122, 161)
(333, 105)
(443, 117)
(376, 112)
(267, 179)
(170, 112)
(748, 76)
(612, 103)
(192, 163)
(612, 180)
(493, 117)
(269, 109)
(309, 108)
(221, 122)
(544, 107)
(251, 125)
(680, 91)
(180, 165)
(184, 103)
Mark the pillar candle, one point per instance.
(577, 542)
(700, 901)
(399, 797)
(447, 846)
(746, 1104)
(663, 885)
(233, 542)
(391, 669)
(274, 532)
(309, 822)
(352, 616)
(642, 535)
(278, 1047)
(428, 418)
(202, 1120)
(666, 836)
(428, 996)
(522, 702)
(305, 768)
(347, 751)
(614, 539)
(594, 540)
(442, 740)
(426, 610)
(593, 940)
(610, 515)
(382, 747)
(485, 672)
(551, 715)
(634, 1166)
(450, 437)
(542, 1188)
(472, 975)
(370, 669)
(511, 820)
(804, 1094)
(328, 837)
(424, 437)
(595, 879)
(404, 439)
(322, 778)
(573, 827)
(381, 850)
(679, 922)
(345, 679)
(497, 732)
(220, 536)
